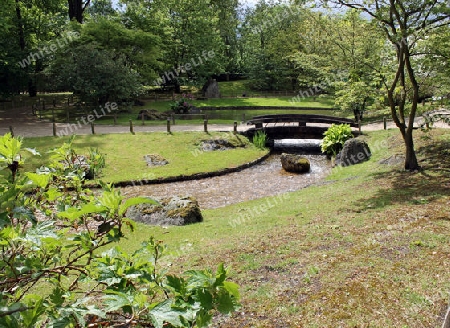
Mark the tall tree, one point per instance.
(268, 39)
(27, 27)
(405, 23)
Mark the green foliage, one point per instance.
(97, 162)
(183, 104)
(260, 139)
(335, 137)
(52, 273)
(97, 75)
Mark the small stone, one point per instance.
(155, 160)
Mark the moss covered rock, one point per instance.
(170, 211)
(295, 163)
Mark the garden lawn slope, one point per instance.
(369, 247)
(125, 153)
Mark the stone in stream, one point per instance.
(175, 210)
(295, 163)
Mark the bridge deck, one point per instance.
(290, 130)
(302, 119)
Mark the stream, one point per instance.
(265, 179)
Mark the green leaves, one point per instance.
(59, 251)
(10, 149)
(335, 137)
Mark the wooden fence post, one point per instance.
(53, 122)
(168, 125)
(131, 126)
(205, 125)
(11, 130)
(235, 127)
(92, 128)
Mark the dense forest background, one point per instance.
(100, 49)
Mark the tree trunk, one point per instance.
(76, 10)
(411, 163)
(20, 26)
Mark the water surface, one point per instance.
(265, 179)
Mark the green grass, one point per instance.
(125, 153)
(325, 102)
(233, 88)
(368, 247)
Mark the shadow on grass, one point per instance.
(397, 186)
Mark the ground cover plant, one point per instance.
(367, 247)
(58, 266)
(124, 153)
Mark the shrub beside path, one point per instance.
(25, 124)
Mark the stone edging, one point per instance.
(180, 178)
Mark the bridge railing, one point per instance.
(301, 119)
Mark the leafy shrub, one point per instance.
(259, 139)
(335, 137)
(52, 273)
(183, 104)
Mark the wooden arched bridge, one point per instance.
(296, 126)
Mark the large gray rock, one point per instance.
(295, 163)
(211, 89)
(171, 211)
(354, 151)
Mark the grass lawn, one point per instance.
(125, 153)
(367, 248)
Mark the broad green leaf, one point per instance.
(34, 311)
(198, 278)
(203, 319)
(40, 180)
(221, 275)
(135, 201)
(232, 288)
(205, 298)
(24, 213)
(52, 194)
(165, 313)
(225, 302)
(116, 300)
(73, 213)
